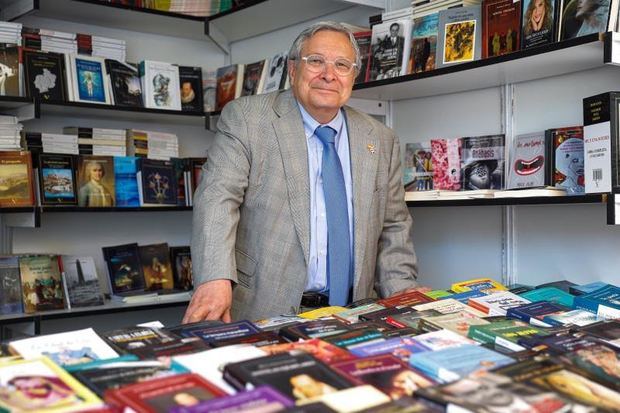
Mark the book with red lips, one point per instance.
(530, 165)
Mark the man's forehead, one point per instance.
(327, 39)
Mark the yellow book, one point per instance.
(322, 312)
(41, 385)
(482, 284)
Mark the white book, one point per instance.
(497, 303)
(448, 306)
(391, 44)
(109, 151)
(597, 157)
(274, 72)
(441, 339)
(534, 192)
(59, 138)
(160, 83)
(73, 347)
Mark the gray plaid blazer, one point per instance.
(251, 221)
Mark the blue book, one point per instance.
(587, 288)
(220, 332)
(534, 313)
(464, 297)
(400, 347)
(603, 299)
(551, 294)
(90, 80)
(454, 363)
(125, 174)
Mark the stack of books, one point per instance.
(99, 141)
(58, 42)
(421, 350)
(52, 143)
(10, 133)
(11, 33)
(152, 145)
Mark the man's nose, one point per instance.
(329, 72)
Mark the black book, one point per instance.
(539, 30)
(291, 375)
(44, 75)
(181, 259)
(190, 81)
(125, 82)
(137, 339)
(57, 179)
(313, 329)
(482, 162)
(124, 269)
(157, 183)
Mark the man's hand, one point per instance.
(411, 289)
(211, 301)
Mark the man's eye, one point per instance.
(315, 61)
(342, 65)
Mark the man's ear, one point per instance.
(292, 68)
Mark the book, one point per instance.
(446, 160)
(424, 43)
(411, 319)
(96, 181)
(10, 74)
(124, 269)
(57, 179)
(276, 73)
(319, 349)
(391, 45)
(442, 339)
(399, 347)
(599, 362)
(299, 376)
(482, 162)
(465, 296)
(408, 299)
(126, 181)
(501, 27)
(229, 81)
(604, 302)
(65, 349)
(458, 322)
(261, 399)
(262, 339)
(356, 337)
(16, 186)
(157, 183)
(586, 288)
(608, 331)
(563, 285)
(160, 85)
(41, 385)
(254, 75)
(210, 333)
(354, 399)
(574, 317)
(364, 42)
(505, 334)
(459, 36)
(156, 267)
(88, 79)
(125, 84)
(530, 165)
(497, 303)
(209, 83)
(352, 315)
(485, 285)
(41, 279)
(582, 18)
(44, 75)
(163, 394)
(81, 280)
(190, 80)
(538, 23)
(181, 260)
(10, 286)
(418, 167)
(551, 294)
(600, 137)
(129, 339)
(534, 313)
(567, 158)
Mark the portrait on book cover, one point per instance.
(388, 48)
(90, 84)
(459, 42)
(583, 17)
(96, 182)
(185, 397)
(538, 22)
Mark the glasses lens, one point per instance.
(315, 62)
(343, 66)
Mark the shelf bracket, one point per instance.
(23, 113)
(217, 37)
(611, 48)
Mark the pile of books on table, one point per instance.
(478, 347)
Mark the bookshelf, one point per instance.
(534, 200)
(72, 209)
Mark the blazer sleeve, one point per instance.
(218, 198)
(396, 267)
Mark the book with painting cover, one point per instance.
(160, 85)
(530, 161)
(190, 80)
(81, 280)
(501, 20)
(57, 179)
(44, 75)
(253, 77)
(446, 161)
(181, 260)
(567, 158)
(276, 73)
(386, 372)
(459, 35)
(96, 183)
(10, 286)
(539, 22)
(482, 162)
(163, 394)
(599, 362)
(124, 269)
(321, 350)
(88, 79)
(580, 18)
(125, 84)
(9, 62)
(459, 322)
(313, 329)
(424, 43)
(156, 267)
(16, 183)
(298, 376)
(260, 399)
(157, 183)
(42, 287)
(229, 83)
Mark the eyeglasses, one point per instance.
(317, 63)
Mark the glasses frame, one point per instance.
(354, 67)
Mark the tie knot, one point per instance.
(326, 134)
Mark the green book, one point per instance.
(437, 294)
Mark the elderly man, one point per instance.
(301, 204)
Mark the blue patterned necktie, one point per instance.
(338, 236)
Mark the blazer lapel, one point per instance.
(294, 151)
(364, 149)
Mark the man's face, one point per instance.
(394, 31)
(325, 91)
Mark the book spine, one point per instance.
(614, 101)
(512, 313)
(585, 303)
(597, 143)
(480, 336)
(549, 159)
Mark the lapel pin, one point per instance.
(371, 147)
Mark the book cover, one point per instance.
(10, 283)
(355, 337)
(497, 303)
(364, 42)
(81, 281)
(465, 296)
(408, 299)
(57, 179)
(190, 79)
(534, 313)
(418, 167)
(160, 85)
(125, 84)
(262, 399)
(501, 27)
(262, 339)
(41, 283)
(253, 76)
(482, 162)
(41, 385)
(16, 186)
(459, 35)
(126, 183)
(157, 182)
(530, 165)
(226, 89)
(575, 317)
(90, 80)
(551, 294)
(44, 75)
(181, 260)
(156, 267)
(219, 332)
(300, 377)
(599, 362)
(391, 44)
(586, 288)
(132, 339)
(424, 43)
(352, 315)
(563, 285)
(313, 329)
(276, 73)
(446, 161)
(538, 22)
(196, 169)
(400, 347)
(447, 306)
(486, 285)
(567, 159)
(319, 349)
(459, 322)
(609, 331)
(9, 70)
(164, 394)
(124, 269)
(608, 296)
(410, 319)
(209, 84)
(66, 349)
(96, 181)
(441, 339)
(580, 18)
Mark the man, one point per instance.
(266, 207)
(391, 50)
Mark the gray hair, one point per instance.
(295, 52)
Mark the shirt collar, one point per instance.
(310, 124)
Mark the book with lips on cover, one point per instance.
(530, 161)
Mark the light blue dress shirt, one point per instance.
(317, 265)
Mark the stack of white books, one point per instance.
(427, 7)
(10, 138)
(11, 33)
(109, 48)
(59, 143)
(100, 141)
(162, 146)
(58, 42)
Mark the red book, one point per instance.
(163, 394)
(408, 299)
(500, 27)
(363, 41)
